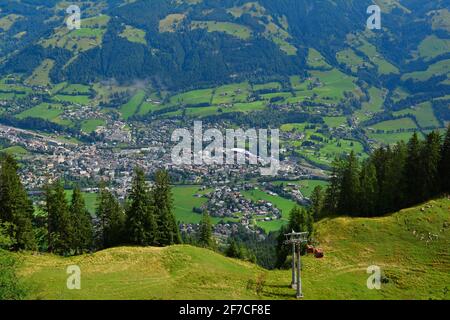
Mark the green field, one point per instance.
(439, 68)
(329, 86)
(170, 22)
(412, 265)
(211, 110)
(334, 122)
(306, 186)
(334, 84)
(40, 76)
(322, 152)
(146, 107)
(74, 89)
(89, 36)
(350, 59)
(376, 101)
(392, 138)
(423, 113)
(89, 198)
(186, 198)
(44, 110)
(237, 92)
(184, 201)
(323, 86)
(269, 85)
(15, 88)
(132, 106)
(432, 47)
(7, 21)
(233, 29)
(384, 67)
(89, 126)
(316, 60)
(8, 96)
(329, 151)
(14, 150)
(395, 125)
(192, 97)
(76, 99)
(134, 35)
(392, 131)
(441, 20)
(282, 204)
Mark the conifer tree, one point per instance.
(379, 159)
(392, 178)
(444, 168)
(317, 201)
(81, 221)
(349, 191)
(430, 160)
(299, 221)
(413, 172)
(234, 250)
(111, 219)
(16, 209)
(332, 193)
(141, 227)
(59, 224)
(168, 232)
(369, 189)
(205, 232)
(393, 184)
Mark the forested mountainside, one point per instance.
(179, 44)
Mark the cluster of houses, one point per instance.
(228, 201)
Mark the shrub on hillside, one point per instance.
(10, 286)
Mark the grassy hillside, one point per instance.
(411, 247)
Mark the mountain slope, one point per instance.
(181, 44)
(304, 55)
(413, 266)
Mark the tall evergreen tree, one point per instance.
(168, 232)
(81, 221)
(59, 224)
(393, 186)
(234, 250)
(392, 178)
(140, 225)
(317, 201)
(111, 219)
(430, 160)
(299, 221)
(444, 168)
(349, 191)
(16, 209)
(413, 172)
(205, 233)
(369, 189)
(379, 159)
(332, 193)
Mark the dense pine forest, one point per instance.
(392, 178)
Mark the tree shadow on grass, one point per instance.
(276, 291)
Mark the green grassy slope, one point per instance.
(414, 266)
